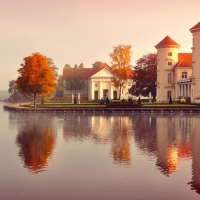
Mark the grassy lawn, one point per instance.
(96, 105)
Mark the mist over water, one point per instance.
(91, 156)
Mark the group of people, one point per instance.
(129, 101)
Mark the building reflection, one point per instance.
(103, 130)
(36, 140)
(165, 137)
(195, 182)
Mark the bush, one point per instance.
(139, 101)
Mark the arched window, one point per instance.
(184, 74)
(169, 78)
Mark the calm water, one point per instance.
(116, 156)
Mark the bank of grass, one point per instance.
(157, 105)
(96, 105)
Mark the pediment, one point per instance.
(103, 73)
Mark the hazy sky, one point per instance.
(85, 31)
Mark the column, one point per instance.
(100, 90)
(111, 91)
(179, 90)
(92, 90)
(184, 90)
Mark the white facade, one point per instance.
(196, 58)
(100, 84)
(178, 74)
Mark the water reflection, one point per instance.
(195, 182)
(120, 141)
(168, 138)
(103, 130)
(164, 139)
(36, 139)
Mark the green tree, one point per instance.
(74, 80)
(15, 95)
(51, 64)
(67, 66)
(120, 65)
(59, 87)
(36, 76)
(97, 64)
(145, 76)
(81, 65)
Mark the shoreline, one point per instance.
(21, 108)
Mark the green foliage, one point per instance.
(74, 80)
(139, 101)
(67, 66)
(59, 87)
(97, 64)
(81, 65)
(53, 66)
(145, 76)
(15, 95)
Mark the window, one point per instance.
(184, 75)
(169, 78)
(169, 63)
(169, 94)
(169, 53)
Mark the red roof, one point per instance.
(88, 72)
(182, 63)
(167, 41)
(184, 60)
(197, 26)
(187, 57)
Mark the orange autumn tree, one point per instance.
(36, 76)
(120, 65)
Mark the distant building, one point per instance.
(98, 83)
(178, 74)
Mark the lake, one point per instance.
(112, 156)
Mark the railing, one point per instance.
(183, 80)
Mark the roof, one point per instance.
(182, 63)
(184, 60)
(88, 72)
(167, 41)
(194, 28)
(187, 57)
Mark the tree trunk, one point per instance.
(35, 100)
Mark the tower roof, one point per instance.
(194, 28)
(166, 42)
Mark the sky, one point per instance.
(85, 31)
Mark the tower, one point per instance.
(167, 57)
(195, 30)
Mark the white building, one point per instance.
(98, 84)
(178, 74)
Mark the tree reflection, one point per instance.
(102, 129)
(120, 141)
(36, 140)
